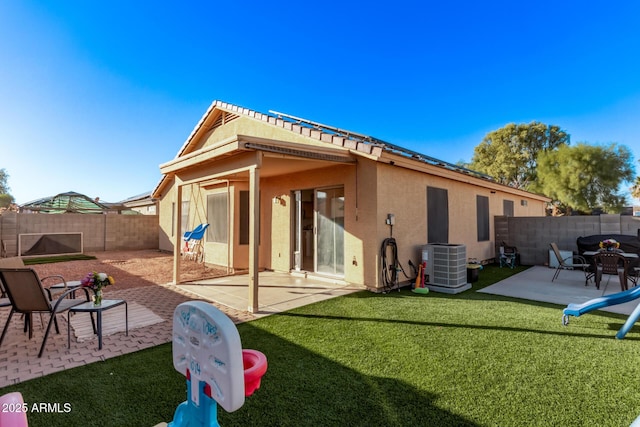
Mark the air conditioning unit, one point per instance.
(446, 267)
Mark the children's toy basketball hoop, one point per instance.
(207, 351)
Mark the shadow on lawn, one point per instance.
(612, 326)
(303, 388)
(476, 296)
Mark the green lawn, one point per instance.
(399, 359)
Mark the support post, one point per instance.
(177, 238)
(254, 233)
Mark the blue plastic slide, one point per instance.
(606, 301)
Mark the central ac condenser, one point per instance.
(446, 267)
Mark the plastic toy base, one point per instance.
(420, 290)
(11, 411)
(255, 366)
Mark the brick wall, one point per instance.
(100, 232)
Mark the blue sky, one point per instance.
(94, 96)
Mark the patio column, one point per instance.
(177, 238)
(254, 233)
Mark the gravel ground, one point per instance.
(130, 269)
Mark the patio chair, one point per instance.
(611, 263)
(28, 296)
(633, 274)
(582, 264)
(60, 284)
(507, 258)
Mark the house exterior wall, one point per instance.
(403, 192)
(167, 208)
(247, 126)
(373, 188)
(166, 212)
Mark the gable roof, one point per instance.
(324, 133)
(220, 113)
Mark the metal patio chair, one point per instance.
(582, 264)
(28, 296)
(60, 285)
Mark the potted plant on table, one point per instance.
(97, 281)
(609, 245)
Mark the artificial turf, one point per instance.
(56, 258)
(397, 359)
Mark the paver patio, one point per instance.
(18, 354)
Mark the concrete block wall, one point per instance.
(8, 231)
(532, 235)
(100, 232)
(91, 227)
(126, 232)
(629, 225)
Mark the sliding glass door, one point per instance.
(329, 236)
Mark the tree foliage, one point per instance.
(635, 189)
(510, 154)
(5, 198)
(584, 177)
(4, 177)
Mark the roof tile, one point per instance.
(363, 147)
(350, 143)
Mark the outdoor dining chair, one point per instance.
(611, 263)
(59, 286)
(581, 264)
(28, 296)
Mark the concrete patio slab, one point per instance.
(535, 284)
(277, 292)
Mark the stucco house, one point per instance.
(287, 194)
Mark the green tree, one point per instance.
(635, 189)
(584, 177)
(5, 198)
(510, 154)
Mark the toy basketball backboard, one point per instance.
(206, 343)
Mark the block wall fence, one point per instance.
(532, 235)
(109, 232)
